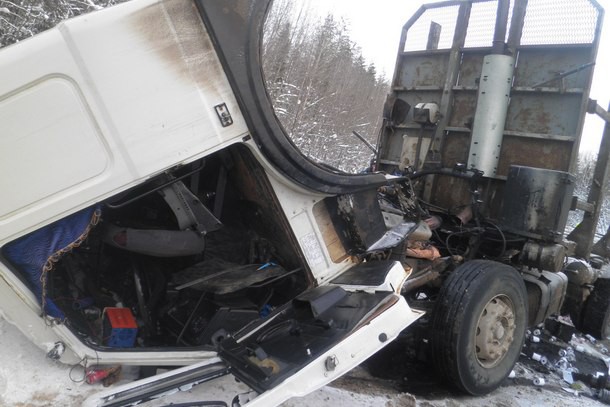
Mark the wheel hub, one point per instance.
(495, 331)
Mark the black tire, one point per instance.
(595, 316)
(470, 299)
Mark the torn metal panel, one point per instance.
(364, 224)
(393, 237)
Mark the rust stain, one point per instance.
(455, 149)
(539, 65)
(470, 69)
(529, 115)
(464, 106)
(451, 193)
(550, 154)
(424, 71)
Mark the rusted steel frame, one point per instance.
(512, 133)
(584, 233)
(595, 108)
(402, 42)
(435, 148)
(413, 20)
(453, 68)
(564, 74)
(516, 26)
(434, 36)
(541, 136)
(587, 89)
(582, 205)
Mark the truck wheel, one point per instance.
(478, 325)
(595, 317)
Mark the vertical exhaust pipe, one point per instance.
(498, 43)
(492, 102)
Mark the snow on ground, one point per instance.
(29, 379)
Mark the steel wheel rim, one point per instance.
(495, 331)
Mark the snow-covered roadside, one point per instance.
(29, 379)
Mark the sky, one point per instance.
(376, 26)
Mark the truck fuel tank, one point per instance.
(536, 202)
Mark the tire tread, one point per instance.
(448, 315)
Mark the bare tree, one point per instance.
(20, 19)
(321, 87)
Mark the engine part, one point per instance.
(580, 273)
(549, 257)
(536, 202)
(422, 250)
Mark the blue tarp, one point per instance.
(35, 254)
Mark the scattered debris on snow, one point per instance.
(29, 378)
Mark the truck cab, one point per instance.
(155, 213)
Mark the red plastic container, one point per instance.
(120, 328)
